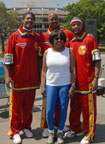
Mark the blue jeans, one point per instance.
(53, 94)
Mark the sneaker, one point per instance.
(21, 132)
(60, 139)
(50, 139)
(65, 129)
(71, 134)
(28, 133)
(85, 141)
(45, 133)
(16, 138)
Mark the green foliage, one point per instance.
(88, 9)
(8, 23)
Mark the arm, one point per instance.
(8, 79)
(73, 74)
(43, 75)
(94, 83)
(40, 67)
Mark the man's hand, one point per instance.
(94, 85)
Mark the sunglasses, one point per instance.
(57, 38)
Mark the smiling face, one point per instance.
(77, 28)
(53, 21)
(28, 21)
(58, 41)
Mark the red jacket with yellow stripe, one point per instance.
(86, 52)
(22, 55)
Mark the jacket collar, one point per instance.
(80, 37)
(23, 31)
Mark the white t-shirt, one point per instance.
(58, 67)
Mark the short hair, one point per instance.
(75, 20)
(25, 14)
(55, 34)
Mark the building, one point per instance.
(41, 15)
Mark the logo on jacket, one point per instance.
(82, 50)
(22, 45)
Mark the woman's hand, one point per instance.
(43, 91)
(71, 92)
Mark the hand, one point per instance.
(90, 34)
(8, 82)
(61, 27)
(94, 85)
(43, 91)
(71, 92)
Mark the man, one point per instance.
(21, 73)
(88, 63)
(53, 25)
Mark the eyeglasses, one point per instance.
(57, 38)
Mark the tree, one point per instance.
(8, 23)
(88, 9)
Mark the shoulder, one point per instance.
(37, 34)
(13, 35)
(69, 34)
(68, 31)
(44, 34)
(45, 53)
(90, 37)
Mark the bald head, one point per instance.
(52, 14)
(53, 20)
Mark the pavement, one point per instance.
(37, 131)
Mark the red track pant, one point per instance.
(85, 104)
(21, 103)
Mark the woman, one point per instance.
(57, 81)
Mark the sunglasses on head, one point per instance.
(57, 38)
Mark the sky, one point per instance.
(54, 3)
(62, 3)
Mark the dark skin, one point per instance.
(53, 21)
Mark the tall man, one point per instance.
(53, 25)
(88, 62)
(21, 71)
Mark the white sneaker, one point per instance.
(28, 133)
(45, 133)
(71, 134)
(65, 129)
(50, 139)
(21, 132)
(16, 138)
(60, 139)
(83, 141)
